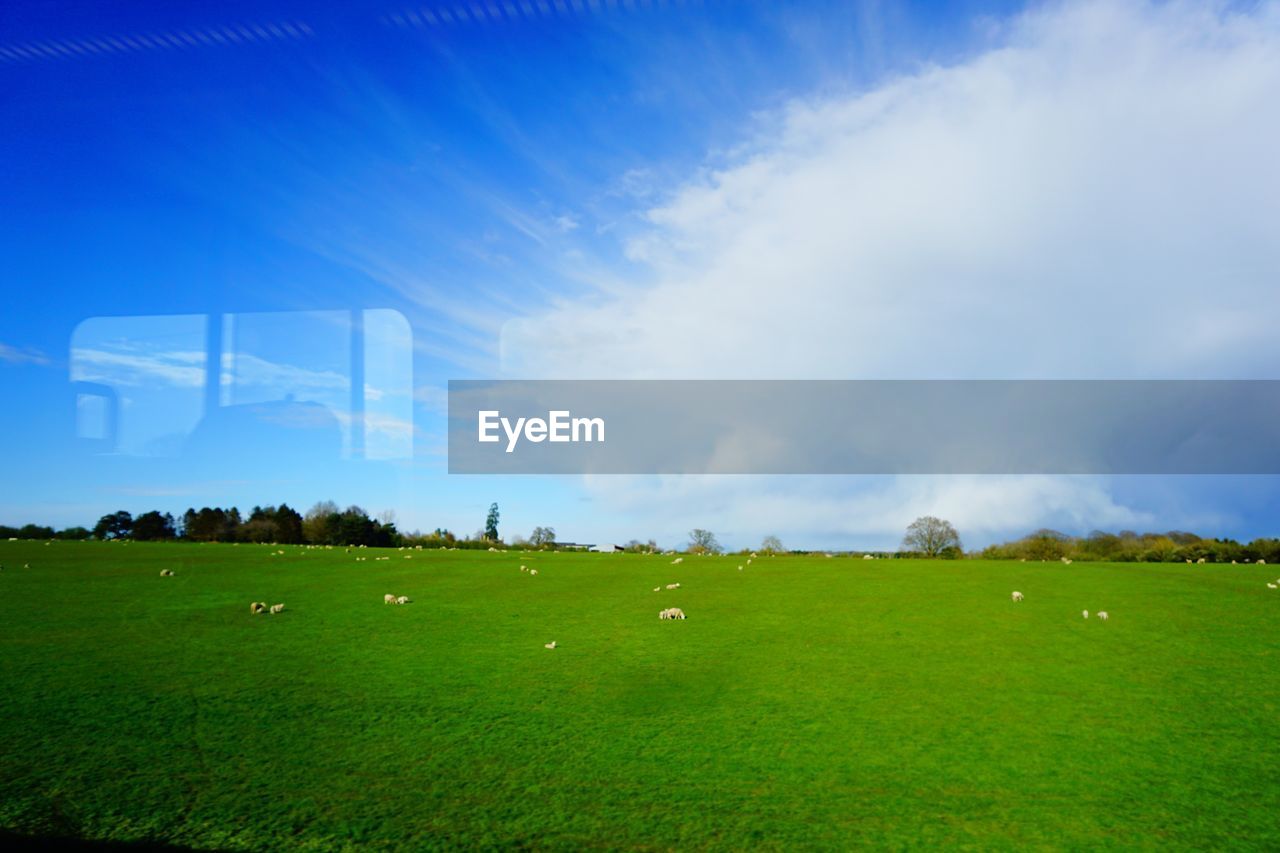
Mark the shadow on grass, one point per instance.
(14, 841)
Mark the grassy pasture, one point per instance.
(806, 702)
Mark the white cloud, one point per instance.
(25, 355)
(135, 368)
(1094, 196)
(825, 511)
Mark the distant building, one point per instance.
(606, 549)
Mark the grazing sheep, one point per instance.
(867, 557)
(1233, 562)
(388, 599)
(673, 586)
(657, 589)
(277, 608)
(1188, 561)
(166, 573)
(1102, 614)
(404, 599)
(1262, 562)
(677, 561)
(753, 554)
(1271, 586)
(739, 568)
(1086, 614)
(533, 571)
(28, 565)
(550, 645)
(1017, 596)
(1066, 561)
(1200, 561)
(671, 613)
(749, 562)
(257, 607)
(524, 568)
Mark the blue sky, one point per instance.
(649, 189)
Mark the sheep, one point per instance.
(1271, 586)
(671, 613)
(748, 562)
(1200, 561)
(257, 607)
(739, 568)
(677, 561)
(1017, 596)
(753, 555)
(277, 608)
(1085, 613)
(524, 568)
(164, 573)
(867, 557)
(1262, 562)
(404, 599)
(1066, 561)
(533, 571)
(550, 645)
(388, 599)
(673, 586)
(1102, 614)
(657, 589)
(1188, 561)
(1233, 562)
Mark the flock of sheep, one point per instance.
(1101, 614)
(258, 607)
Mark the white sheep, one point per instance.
(657, 589)
(1233, 562)
(753, 554)
(1262, 562)
(1271, 586)
(673, 586)
(1017, 596)
(1102, 614)
(257, 607)
(550, 645)
(533, 571)
(277, 608)
(867, 557)
(739, 568)
(524, 568)
(404, 599)
(677, 561)
(1085, 613)
(388, 599)
(1200, 561)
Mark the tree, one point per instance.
(491, 523)
(771, 545)
(543, 536)
(703, 542)
(1046, 544)
(152, 526)
(116, 525)
(931, 537)
(320, 525)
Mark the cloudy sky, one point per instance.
(321, 200)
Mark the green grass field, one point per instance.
(806, 702)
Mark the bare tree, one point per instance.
(931, 537)
(771, 545)
(703, 542)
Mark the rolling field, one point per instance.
(806, 702)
